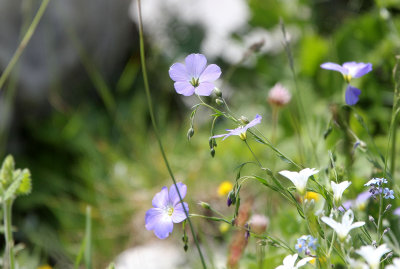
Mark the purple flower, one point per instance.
(241, 131)
(349, 70)
(351, 95)
(194, 76)
(167, 210)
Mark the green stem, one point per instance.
(153, 121)
(88, 238)
(9, 254)
(254, 155)
(23, 43)
(380, 219)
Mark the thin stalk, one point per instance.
(9, 254)
(24, 42)
(380, 219)
(88, 238)
(153, 121)
(254, 155)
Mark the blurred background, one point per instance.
(74, 112)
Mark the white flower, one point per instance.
(356, 264)
(299, 179)
(373, 255)
(290, 260)
(343, 229)
(395, 265)
(338, 190)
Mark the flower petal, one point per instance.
(179, 214)
(364, 70)
(351, 95)
(161, 199)
(173, 194)
(163, 227)
(257, 120)
(303, 262)
(195, 64)
(211, 73)
(332, 223)
(357, 224)
(204, 88)
(334, 67)
(153, 216)
(184, 88)
(178, 72)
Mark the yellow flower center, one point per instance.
(170, 211)
(310, 195)
(347, 78)
(243, 136)
(195, 82)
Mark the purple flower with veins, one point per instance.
(195, 76)
(350, 70)
(167, 210)
(241, 131)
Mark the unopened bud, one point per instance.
(217, 92)
(374, 243)
(243, 120)
(386, 230)
(204, 205)
(388, 207)
(371, 219)
(231, 199)
(219, 101)
(247, 234)
(212, 152)
(190, 133)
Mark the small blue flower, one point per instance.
(305, 243)
(388, 194)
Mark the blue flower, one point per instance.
(388, 194)
(241, 131)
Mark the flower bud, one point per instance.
(371, 219)
(219, 101)
(204, 205)
(388, 207)
(231, 198)
(212, 152)
(190, 133)
(217, 92)
(386, 230)
(279, 96)
(243, 120)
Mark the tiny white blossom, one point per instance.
(373, 255)
(338, 190)
(342, 229)
(395, 265)
(290, 260)
(299, 179)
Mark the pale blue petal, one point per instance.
(195, 64)
(179, 214)
(184, 88)
(173, 195)
(204, 89)
(211, 73)
(161, 199)
(178, 72)
(334, 67)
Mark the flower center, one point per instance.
(347, 78)
(170, 211)
(195, 82)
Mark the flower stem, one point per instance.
(380, 219)
(9, 253)
(24, 43)
(254, 155)
(153, 121)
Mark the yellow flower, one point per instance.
(310, 195)
(224, 188)
(224, 227)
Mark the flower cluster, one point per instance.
(376, 188)
(305, 243)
